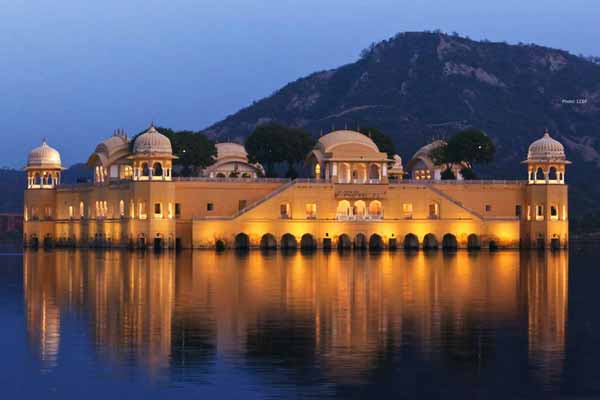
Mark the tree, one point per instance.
(383, 141)
(468, 147)
(193, 149)
(471, 146)
(273, 143)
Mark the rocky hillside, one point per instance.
(418, 86)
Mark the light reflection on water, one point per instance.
(322, 321)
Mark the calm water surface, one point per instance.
(85, 324)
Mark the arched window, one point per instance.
(317, 170)
(81, 209)
(122, 208)
(553, 213)
(434, 210)
(531, 176)
(126, 171)
(145, 169)
(375, 208)
(343, 209)
(37, 179)
(539, 175)
(552, 175)
(359, 173)
(157, 169)
(374, 172)
(311, 210)
(284, 210)
(344, 174)
(360, 208)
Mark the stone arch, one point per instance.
(344, 173)
(473, 242)
(158, 242)
(359, 172)
(375, 208)
(552, 174)
(268, 242)
(308, 242)
(430, 242)
(344, 242)
(539, 174)
(241, 241)
(220, 245)
(246, 175)
(374, 172)
(157, 169)
(360, 242)
(48, 241)
(34, 241)
(376, 242)
(449, 242)
(360, 208)
(220, 175)
(411, 242)
(289, 242)
(343, 208)
(540, 242)
(145, 169)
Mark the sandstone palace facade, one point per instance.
(357, 197)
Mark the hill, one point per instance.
(421, 85)
(13, 183)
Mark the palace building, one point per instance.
(357, 197)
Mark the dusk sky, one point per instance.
(74, 71)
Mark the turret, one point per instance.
(152, 156)
(546, 161)
(546, 218)
(43, 167)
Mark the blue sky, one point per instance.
(74, 70)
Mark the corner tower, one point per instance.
(546, 195)
(43, 176)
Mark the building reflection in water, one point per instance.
(340, 316)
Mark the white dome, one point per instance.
(152, 141)
(231, 150)
(44, 156)
(336, 138)
(546, 149)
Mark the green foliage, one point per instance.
(382, 140)
(469, 147)
(193, 149)
(274, 143)
(448, 174)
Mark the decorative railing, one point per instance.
(343, 217)
(456, 182)
(230, 180)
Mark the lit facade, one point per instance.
(355, 198)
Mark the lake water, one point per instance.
(116, 324)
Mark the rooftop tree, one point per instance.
(469, 148)
(274, 143)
